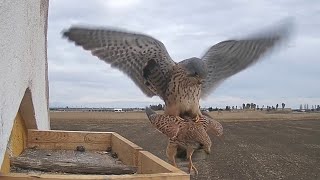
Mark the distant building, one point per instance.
(118, 110)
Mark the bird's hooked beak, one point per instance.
(200, 80)
(196, 77)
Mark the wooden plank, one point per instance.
(51, 136)
(161, 176)
(17, 142)
(151, 164)
(27, 110)
(53, 139)
(69, 146)
(5, 167)
(126, 150)
(69, 161)
(35, 176)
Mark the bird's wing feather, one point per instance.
(128, 52)
(230, 57)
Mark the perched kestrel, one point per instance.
(181, 85)
(186, 133)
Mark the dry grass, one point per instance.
(136, 117)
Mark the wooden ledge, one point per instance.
(149, 166)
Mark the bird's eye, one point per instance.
(196, 74)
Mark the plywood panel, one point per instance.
(150, 164)
(69, 146)
(5, 167)
(162, 176)
(69, 140)
(27, 110)
(126, 150)
(68, 136)
(17, 142)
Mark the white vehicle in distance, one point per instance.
(118, 110)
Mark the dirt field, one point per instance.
(257, 145)
(223, 117)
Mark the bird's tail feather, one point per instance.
(151, 115)
(214, 126)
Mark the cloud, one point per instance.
(291, 74)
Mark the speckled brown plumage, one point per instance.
(183, 94)
(186, 133)
(181, 85)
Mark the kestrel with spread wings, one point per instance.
(181, 85)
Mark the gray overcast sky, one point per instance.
(290, 75)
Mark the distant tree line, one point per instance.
(306, 107)
(251, 106)
(158, 107)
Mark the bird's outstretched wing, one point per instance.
(230, 57)
(143, 58)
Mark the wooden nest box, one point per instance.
(148, 166)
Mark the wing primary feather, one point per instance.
(230, 57)
(129, 52)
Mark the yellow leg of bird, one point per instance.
(171, 153)
(197, 119)
(198, 116)
(190, 151)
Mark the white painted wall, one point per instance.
(23, 62)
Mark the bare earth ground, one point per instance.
(258, 145)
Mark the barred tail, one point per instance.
(213, 126)
(152, 116)
(149, 112)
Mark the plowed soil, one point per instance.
(253, 149)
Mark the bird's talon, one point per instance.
(195, 171)
(193, 168)
(197, 119)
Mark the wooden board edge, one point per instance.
(16, 143)
(159, 176)
(67, 136)
(126, 150)
(57, 139)
(63, 131)
(118, 136)
(159, 164)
